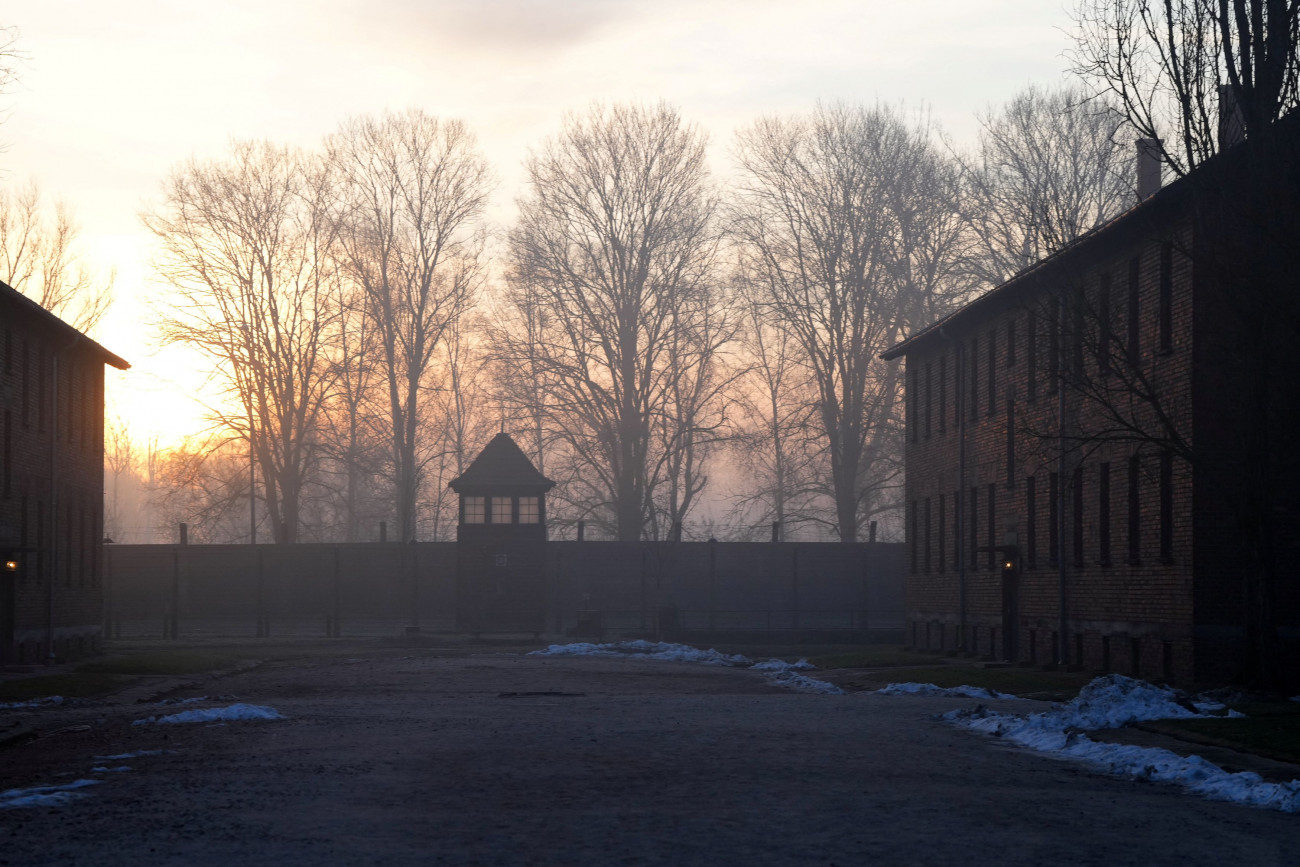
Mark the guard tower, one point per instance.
(501, 542)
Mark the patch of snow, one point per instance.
(778, 671)
(103, 770)
(931, 689)
(661, 650)
(36, 702)
(1115, 701)
(44, 796)
(216, 714)
(175, 701)
(135, 755)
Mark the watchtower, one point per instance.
(501, 536)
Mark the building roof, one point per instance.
(501, 464)
(22, 302)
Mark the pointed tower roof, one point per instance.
(500, 468)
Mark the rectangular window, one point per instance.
(1166, 507)
(1134, 347)
(1078, 305)
(27, 378)
(1054, 518)
(500, 509)
(958, 374)
(1134, 512)
(992, 526)
(40, 540)
(530, 510)
(956, 530)
(1103, 515)
(475, 509)
(993, 372)
(943, 393)
(1031, 523)
(913, 532)
(912, 398)
(1011, 444)
(1103, 326)
(943, 517)
(974, 527)
(1031, 362)
(1166, 296)
(974, 368)
(1053, 326)
(929, 395)
(40, 388)
(1076, 482)
(7, 457)
(1011, 342)
(927, 534)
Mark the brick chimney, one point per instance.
(1148, 167)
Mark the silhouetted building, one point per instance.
(51, 483)
(501, 536)
(1051, 514)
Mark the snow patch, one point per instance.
(44, 796)
(1115, 701)
(104, 770)
(781, 673)
(954, 691)
(216, 714)
(135, 755)
(36, 702)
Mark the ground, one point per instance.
(418, 755)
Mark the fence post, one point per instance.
(582, 526)
(383, 531)
(776, 531)
(185, 533)
(871, 532)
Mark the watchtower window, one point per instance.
(501, 510)
(530, 511)
(475, 510)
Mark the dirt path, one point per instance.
(417, 759)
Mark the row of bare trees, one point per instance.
(650, 339)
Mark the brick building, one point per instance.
(1070, 433)
(51, 483)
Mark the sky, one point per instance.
(113, 96)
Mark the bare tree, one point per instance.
(616, 242)
(851, 220)
(38, 257)
(1050, 165)
(413, 195)
(245, 245)
(203, 483)
(1165, 63)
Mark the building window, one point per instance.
(911, 403)
(530, 510)
(1053, 326)
(927, 534)
(475, 510)
(912, 533)
(943, 553)
(943, 393)
(1011, 443)
(958, 373)
(956, 530)
(1031, 361)
(1011, 342)
(1103, 326)
(974, 379)
(929, 396)
(1031, 523)
(1076, 482)
(1103, 515)
(1077, 308)
(992, 526)
(1134, 512)
(27, 378)
(1166, 296)
(1166, 507)
(500, 510)
(40, 388)
(993, 372)
(1134, 311)
(974, 527)
(7, 456)
(1054, 518)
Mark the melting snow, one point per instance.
(1115, 701)
(44, 796)
(931, 689)
(217, 714)
(135, 755)
(103, 770)
(36, 702)
(778, 671)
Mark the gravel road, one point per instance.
(414, 757)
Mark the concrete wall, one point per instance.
(619, 588)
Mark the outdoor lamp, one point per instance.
(11, 565)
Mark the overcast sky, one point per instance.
(114, 94)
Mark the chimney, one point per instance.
(1232, 129)
(1148, 167)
